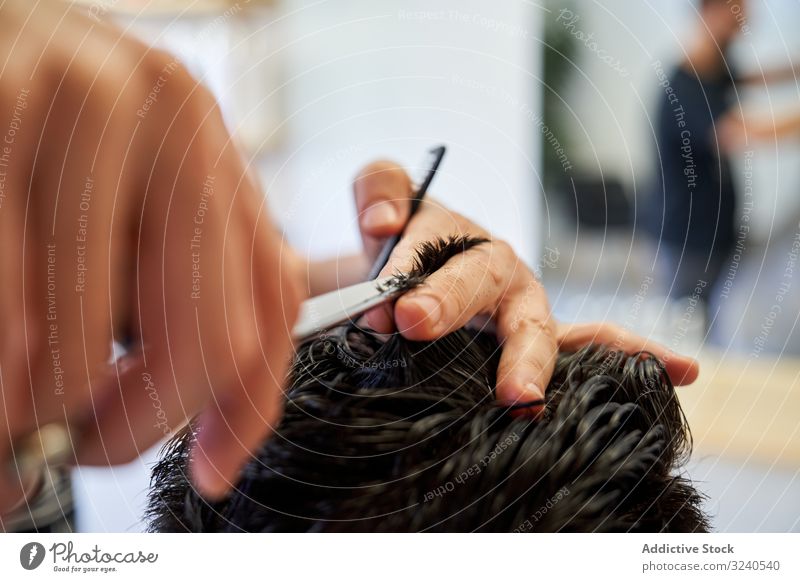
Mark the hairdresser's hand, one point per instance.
(488, 280)
(735, 131)
(126, 212)
(733, 134)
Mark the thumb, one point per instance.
(383, 194)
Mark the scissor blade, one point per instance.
(325, 311)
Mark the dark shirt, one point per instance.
(694, 200)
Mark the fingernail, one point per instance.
(528, 393)
(379, 216)
(534, 391)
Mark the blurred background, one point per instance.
(552, 113)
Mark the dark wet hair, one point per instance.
(395, 435)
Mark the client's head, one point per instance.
(386, 434)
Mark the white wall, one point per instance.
(610, 108)
(390, 79)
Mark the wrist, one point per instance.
(337, 272)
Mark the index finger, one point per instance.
(526, 328)
(682, 370)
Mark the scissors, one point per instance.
(51, 445)
(347, 304)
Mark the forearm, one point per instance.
(771, 128)
(787, 125)
(777, 75)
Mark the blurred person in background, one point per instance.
(691, 213)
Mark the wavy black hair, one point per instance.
(387, 434)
